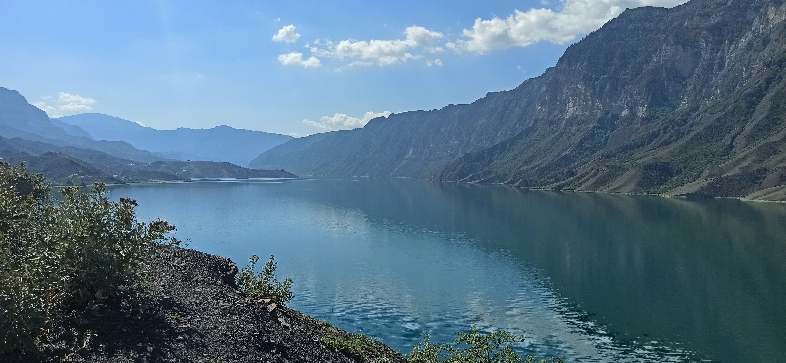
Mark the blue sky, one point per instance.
(290, 67)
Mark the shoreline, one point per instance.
(191, 180)
(202, 316)
(662, 195)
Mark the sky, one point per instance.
(289, 67)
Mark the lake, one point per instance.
(586, 277)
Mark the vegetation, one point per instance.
(60, 258)
(264, 285)
(349, 343)
(737, 185)
(473, 347)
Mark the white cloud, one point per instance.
(418, 36)
(383, 52)
(341, 121)
(50, 110)
(286, 34)
(75, 108)
(296, 59)
(524, 28)
(65, 104)
(74, 99)
(437, 62)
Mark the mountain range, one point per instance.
(221, 143)
(686, 101)
(19, 119)
(67, 154)
(689, 100)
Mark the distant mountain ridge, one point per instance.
(68, 155)
(683, 101)
(20, 119)
(75, 166)
(221, 143)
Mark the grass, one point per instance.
(349, 343)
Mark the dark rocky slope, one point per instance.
(202, 317)
(688, 100)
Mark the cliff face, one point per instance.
(407, 144)
(677, 98)
(675, 101)
(411, 144)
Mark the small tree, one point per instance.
(472, 347)
(264, 285)
(59, 257)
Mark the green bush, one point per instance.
(350, 343)
(264, 285)
(473, 347)
(58, 258)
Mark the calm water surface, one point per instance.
(587, 277)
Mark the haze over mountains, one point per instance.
(687, 100)
(221, 143)
(22, 120)
(61, 150)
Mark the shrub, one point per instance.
(349, 343)
(264, 285)
(473, 347)
(59, 257)
(22, 284)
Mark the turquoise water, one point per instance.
(587, 277)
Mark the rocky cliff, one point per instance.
(688, 100)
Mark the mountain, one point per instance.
(68, 155)
(221, 143)
(20, 119)
(212, 170)
(683, 101)
(70, 165)
(16, 148)
(72, 130)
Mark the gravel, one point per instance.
(203, 317)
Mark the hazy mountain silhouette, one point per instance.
(221, 143)
(67, 154)
(20, 119)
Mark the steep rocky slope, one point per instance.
(688, 100)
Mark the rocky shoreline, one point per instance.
(202, 316)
